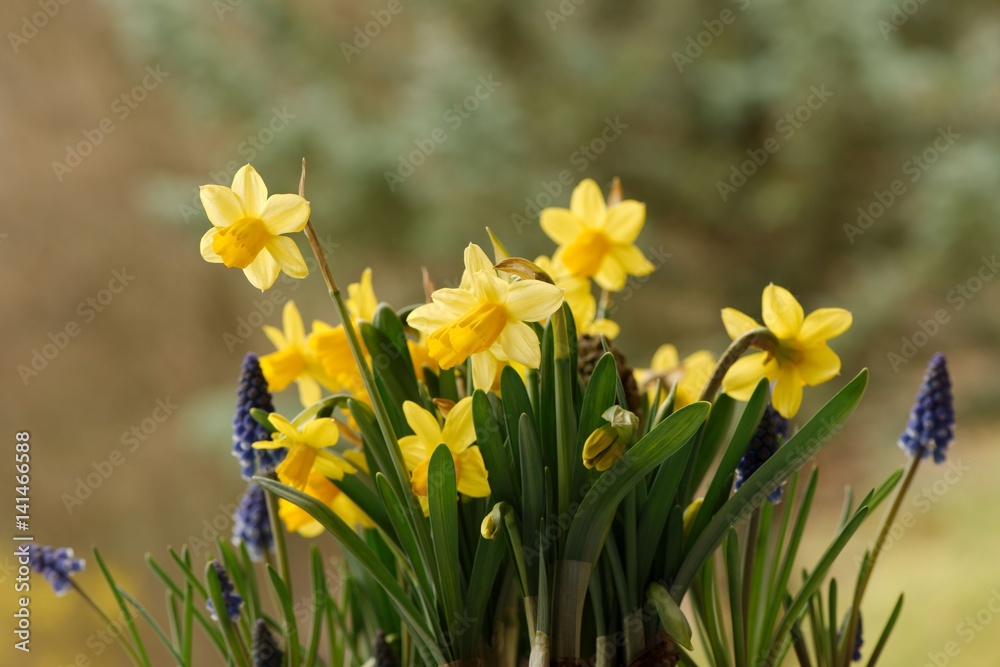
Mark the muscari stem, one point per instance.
(850, 632)
(761, 339)
(107, 621)
(278, 533)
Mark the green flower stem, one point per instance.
(278, 532)
(844, 651)
(761, 339)
(108, 622)
(565, 437)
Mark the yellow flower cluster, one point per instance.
(485, 322)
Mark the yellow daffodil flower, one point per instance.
(297, 520)
(484, 318)
(580, 299)
(458, 434)
(247, 228)
(331, 348)
(598, 241)
(294, 360)
(690, 374)
(361, 300)
(306, 450)
(801, 356)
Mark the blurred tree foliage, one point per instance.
(701, 87)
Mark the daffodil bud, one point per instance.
(491, 523)
(608, 442)
(690, 513)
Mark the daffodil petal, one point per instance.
(263, 271)
(454, 302)
(632, 260)
(485, 368)
(744, 375)
(561, 225)
(430, 317)
(309, 390)
(222, 206)
(624, 221)
(737, 323)
(291, 320)
(787, 395)
(665, 358)
(532, 300)
(268, 444)
(329, 465)
(283, 426)
(285, 214)
(459, 428)
(587, 203)
(823, 324)
(424, 425)
(275, 335)
(321, 433)
(611, 275)
(782, 312)
(288, 256)
(414, 451)
(819, 364)
(207, 251)
(606, 328)
(250, 188)
(520, 343)
(475, 260)
(473, 478)
(295, 467)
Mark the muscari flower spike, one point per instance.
(770, 433)
(232, 599)
(265, 651)
(931, 427)
(253, 393)
(56, 565)
(251, 523)
(859, 641)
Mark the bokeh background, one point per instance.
(112, 113)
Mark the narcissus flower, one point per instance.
(580, 299)
(458, 434)
(801, 356)
(484, 318)
(247, 228)
(690, 374)
(608, 442)
(294, 360)
(306, 450)
(297, 520)
(598, 241)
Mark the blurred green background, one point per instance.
(848, 151)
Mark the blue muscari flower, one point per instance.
(858, 642)
(931, 427)
(766, 439)
(56, 565)
(265, 650)
(253, 393)
(230, 597)
(251, 523)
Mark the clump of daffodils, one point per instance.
(490, 465)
